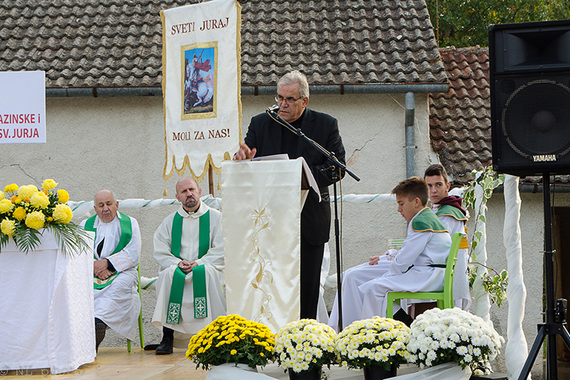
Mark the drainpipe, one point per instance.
(410, 143)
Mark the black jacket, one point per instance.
(264, 134)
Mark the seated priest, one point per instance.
(419, 266)
(115, 278)
(189, 248)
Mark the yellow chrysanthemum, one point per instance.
(35, 220)
(8, 227)
(62, 214)
(63, 196)
(2, 195)
(11, 188)
(49, 184)
(26, 192)
(5, 206)
(19, 213)
(39, 200)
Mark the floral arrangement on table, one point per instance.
(26, 210)
(376, 341)
(232, 339)
(305, 345)
(453, 335)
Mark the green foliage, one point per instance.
(495, 285)
(463, 23)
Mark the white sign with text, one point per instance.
(22, 107)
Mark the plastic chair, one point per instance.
(444, 298)
(395, 243)
(141, 337)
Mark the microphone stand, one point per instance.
(331, 156)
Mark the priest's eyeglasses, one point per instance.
(290, 100)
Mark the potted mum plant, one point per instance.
(453, 335)
(232, 339)
(377, 345)
(303, 347)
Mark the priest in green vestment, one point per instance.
(116, 256)
(188, 246)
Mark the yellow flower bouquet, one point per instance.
(26, 210)
(373, 342)
(232, 339)
(305, 345)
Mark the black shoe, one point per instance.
(165, 346)
(402, 316)
(100, 329)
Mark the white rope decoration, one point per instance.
(83, 209)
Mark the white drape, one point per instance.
(261, 223)
(46, 308)
(481, 298)
(516, 349)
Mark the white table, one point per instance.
(46, 308)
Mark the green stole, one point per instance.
(198, 273)
(126, 236)
(427, 221)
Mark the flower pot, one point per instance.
(311, 374)
(231, 371)
(376, 372)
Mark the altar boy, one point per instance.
(419, 266)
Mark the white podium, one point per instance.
(46, 308)
(262, 203)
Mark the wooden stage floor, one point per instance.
(117, 363)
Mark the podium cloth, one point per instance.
(46, 308)
(261, 223)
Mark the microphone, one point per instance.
(273, 108)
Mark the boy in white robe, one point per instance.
(420, 265)
(116, 257)
(198, 249)
(449, 210)
(429, 245)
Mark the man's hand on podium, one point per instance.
(244, 153)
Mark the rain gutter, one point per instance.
(343, 89)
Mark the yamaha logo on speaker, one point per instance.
(544, 158)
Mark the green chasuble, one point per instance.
(198, 273)
(126, 236)
(427, 221)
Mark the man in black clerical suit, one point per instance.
(266, 137)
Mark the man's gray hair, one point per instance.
(295, 77)
(110, 191)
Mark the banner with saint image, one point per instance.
(201, 85)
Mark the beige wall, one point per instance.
(118, 143)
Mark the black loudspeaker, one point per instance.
(530, 97)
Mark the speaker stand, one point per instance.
(555, 321)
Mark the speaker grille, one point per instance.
(535, 117)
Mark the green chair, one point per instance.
(141, 337)
(444, 298)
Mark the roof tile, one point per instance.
(100, 43)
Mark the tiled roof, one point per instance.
(118, 43)
(460, 120)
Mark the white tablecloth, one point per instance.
(46, 308)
